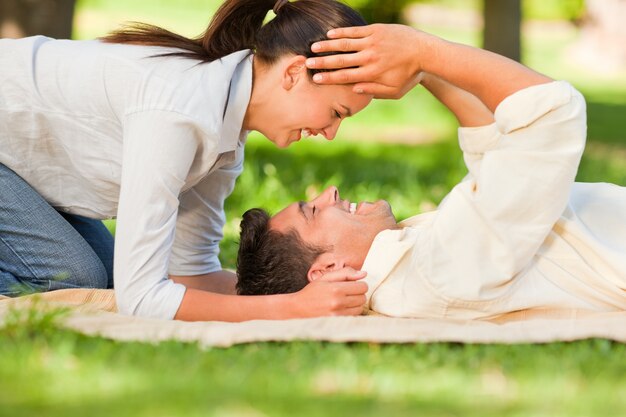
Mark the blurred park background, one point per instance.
(404, 151)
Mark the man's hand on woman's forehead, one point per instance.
(379, 59)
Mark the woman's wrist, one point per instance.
(285, 306)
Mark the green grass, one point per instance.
(49, 372)
(61, 373)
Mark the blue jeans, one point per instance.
(42, 249)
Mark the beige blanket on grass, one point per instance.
(93, 312)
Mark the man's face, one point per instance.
(329, 222)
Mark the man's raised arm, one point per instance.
(468, 109)
(386, 61)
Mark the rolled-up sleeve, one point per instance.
(521, 171)
(159, 148)
(201, 219)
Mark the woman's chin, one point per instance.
(283, 142)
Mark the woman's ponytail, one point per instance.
(239, 24)
(234, 27)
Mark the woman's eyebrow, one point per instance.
(347, 109)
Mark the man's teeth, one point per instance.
(352, 208)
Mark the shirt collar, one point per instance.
(238, 99)
(419, 219)
(388, 248)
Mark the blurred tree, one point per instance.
(570, 10)
(502, 31)
(377, 11)
(19, 18)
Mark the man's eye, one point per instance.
(313, 210)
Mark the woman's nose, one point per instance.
(331, 131)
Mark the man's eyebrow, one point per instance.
(348, 111)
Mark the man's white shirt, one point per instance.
(517, 233)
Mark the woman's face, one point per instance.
(297, 104)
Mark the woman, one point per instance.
(149, 127)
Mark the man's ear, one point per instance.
(324, 263)
(294, 72)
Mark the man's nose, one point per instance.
(328, 197)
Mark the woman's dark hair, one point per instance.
(238, 25)
(270, 262)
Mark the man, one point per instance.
(517, 234)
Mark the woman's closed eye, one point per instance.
(338, 115)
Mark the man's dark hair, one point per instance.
(270, 262)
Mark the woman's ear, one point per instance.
(294, 71)
(324, 263)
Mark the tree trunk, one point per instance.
(19, 18)
(502, 31)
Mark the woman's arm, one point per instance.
(221, 282)
(339, 293)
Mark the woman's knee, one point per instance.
(81, 271)
(40, 249)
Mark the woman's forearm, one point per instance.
(340, 292)
(198, 305)
(222, 282)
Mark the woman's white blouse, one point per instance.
(108, 130)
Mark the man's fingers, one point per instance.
(350, 32)
(377, 90)
(344, 76)
(339, 45)
(336, 61)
